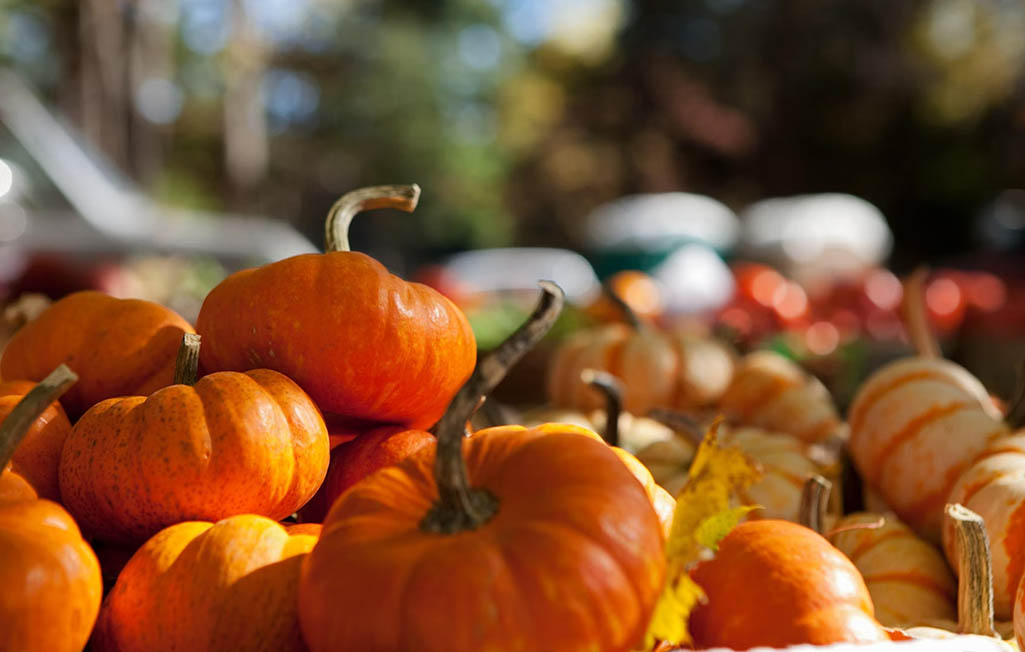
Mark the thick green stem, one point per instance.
(623, 307)
(460, 506)
(815, 503)
(30, 407)
(975, 572)
(336, 227)
(186, 366)
(916, 319)
(612, 389)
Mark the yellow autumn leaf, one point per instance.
(702, 518)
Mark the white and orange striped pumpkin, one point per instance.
(772, 392)
(907, 577)
(994, 488)
(782, 458)
(915, 426)
(657, 369)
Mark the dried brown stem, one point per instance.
(186, 366)
(975, 572)
(815, 503)
(336, 227)
(612, 389)
(916, 319)
(30, 407)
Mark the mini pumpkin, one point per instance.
(50, 578)
(207, 587)
(772, 392)
(657, 369)
(232, 443)
(364, 344)
(916, 424)
(776, 583)
(503, 540)
(37, 458)
(117, 347)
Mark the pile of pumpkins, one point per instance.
(301, 471)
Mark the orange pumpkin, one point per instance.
(907, 577)
(49, 574)
(364, 344)
(775, 583)
(117, 347)
(771, 392)
(916, 425)
(231, 444)
(38, 455)
(657, 369)
(511, 539)
(208, 587)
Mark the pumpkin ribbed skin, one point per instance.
(118, 347)
(49, 574)
(230, 444)
(208, 587)
(916, 425)
(785, 468)
(572, 559)
(907, 577)
(769, 391)
(37, 458)
(775, 584)
(364, 344)
(994, 488)
(657, 369)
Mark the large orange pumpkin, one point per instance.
(364, 344)
(208, 587)
(775, 583)
(38, 455)
(916, 425)
(233, 443)
(512, 539)
(117, 347)
(50, 585)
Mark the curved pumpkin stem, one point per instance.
(186, 365)
(628, 313)
(612, 389)
(30, 407)
(679, 422)
(974, 570)
(336, 227)
(916, 318)
(814, 503)
(459, 506)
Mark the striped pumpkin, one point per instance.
(907, 577)
(658, 369)
(772, 392)
(994, 488)
(782, 458)
(916, 425)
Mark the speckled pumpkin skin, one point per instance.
(363, 343)
(118, 347)
(38, 456)
(207, 587)
(230, 444)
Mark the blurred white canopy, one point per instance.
(661, 220)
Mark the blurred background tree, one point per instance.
(519, 116)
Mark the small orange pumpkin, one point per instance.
(118, 347)
(208, 587)
(364, 344)
(49, 574)
(37, 458)
(232, 443)
(510, 539)
(775, 583)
